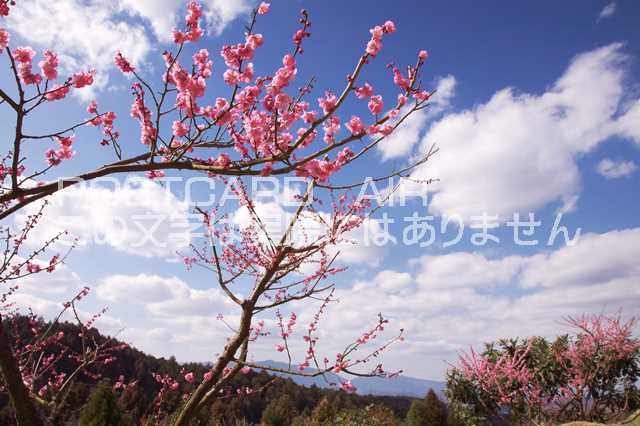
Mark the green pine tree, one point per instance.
(435, 410)
(280, 412)
(427, 412)
(416, 416)
(101, 409)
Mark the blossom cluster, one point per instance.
(603, 338)
(64, 152)
(508, 377)
(105, 121)
(580, 376)
(194, 31)
(260, 117)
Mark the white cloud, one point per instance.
(448, 302)
(139, 217)
(444, 302)
(39, 305)
(187, 338)
(616, 169)
(162, 296)
(392, 280)
(163, 15)
(140, 288)
(220, 13)
(161, 315)
(607, 11)
(85, 34)
(407, 135)
(359, 245)
(45, 293)
(176, 319)
(517, 152)
(463, 269)
(567, 267)
(628, 125)
(60, 283)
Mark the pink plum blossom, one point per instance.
(263, 8)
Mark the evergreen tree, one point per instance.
(427, 412)
(416, 416)
(101, 409)
(280, 412)
(435, 410)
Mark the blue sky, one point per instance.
(537, 111)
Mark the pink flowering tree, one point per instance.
(38, 360)
(591, 374)
(48, 359)
(281, 269)
(17, 264)
(262, 127)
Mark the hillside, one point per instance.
(136, 365)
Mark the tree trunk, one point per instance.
(190, 409)
(26, 413)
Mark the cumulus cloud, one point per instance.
(88, 33)
(176, 319)
(517, 152)
(448, 302)
(628, 125)
(45, 293)
(444, 302)
(162, 296)
(40, 305)
(220, 13)
(566, 267)
(159, 314)
(612, 169)
(607, 11)
(84, 34)
(61, 283)
(140, 288)
(139, 218)
(407, 135)
(162, 15)
(465, 270)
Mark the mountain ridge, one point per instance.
(398, 386)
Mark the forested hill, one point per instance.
(136, 403)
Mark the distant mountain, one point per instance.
(399, 386)
(319, 381)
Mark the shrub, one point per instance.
(590, 375)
